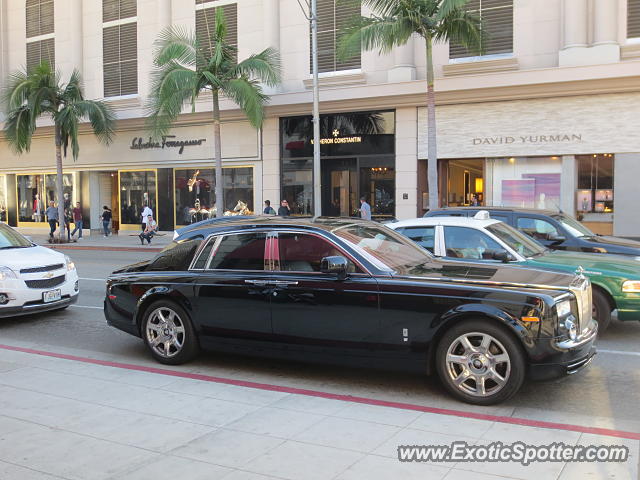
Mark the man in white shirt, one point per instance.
(146, 213)
(149, 231)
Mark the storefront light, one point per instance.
(479, 185)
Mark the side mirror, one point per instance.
(336, 265)
(503, 256)
(557, 238)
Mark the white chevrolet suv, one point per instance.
(33, 278)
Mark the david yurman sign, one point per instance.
(559, 138)
(167, 141)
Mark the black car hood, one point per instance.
(135, 267)
(615, 244)
(500, 273)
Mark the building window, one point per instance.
(595, 183)
(333, 18)
(526, 182)
(119, 47)
(36, 191)
(40, 33)
(633, 18)
(3, 198)
(497, 24)
(137, 189)
(206, 22)
(195, 193)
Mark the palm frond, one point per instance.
(447, 7)
(384, 8)
(462, 28)
(100, 115)
(248, 95)
(19, 128)
(73, 89)
(17, 91)
(264, 66)
(175, 44)
(375, 33)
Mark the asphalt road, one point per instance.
(607, 394)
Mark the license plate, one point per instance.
(51, 296)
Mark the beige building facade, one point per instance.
(546, 119)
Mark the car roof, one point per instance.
(446, 221)
(497, 209)
(328, 224)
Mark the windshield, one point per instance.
(574, 227)
(515, 239)
(384, 248)
(9, 238)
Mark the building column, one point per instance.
(270, 165)
(95, 207)
(4, 42)
(605, 31)
(568, 184)
(271, 29)
(404, 69)
(164, 14)
(575, 22)
(406, 162)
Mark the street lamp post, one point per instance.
(317, 183)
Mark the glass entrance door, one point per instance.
(339, 187)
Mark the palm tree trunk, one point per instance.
(432, 149)
(218, 154)
(59, 189)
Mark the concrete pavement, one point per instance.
(95, 241)
(65, 415)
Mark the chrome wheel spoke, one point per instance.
(496, 377)
(501, 358)
(179, 329)
(157, 340)
(485, 344)
(459, 359)
(463, 377)
(466, 344)
(480, 385)
(154, 328)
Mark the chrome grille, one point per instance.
(46, 282)
(48, 268)
(581, 288)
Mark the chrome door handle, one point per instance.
(257, 282)
(283, 282)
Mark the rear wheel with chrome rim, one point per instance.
(168, 333)
(480, 362)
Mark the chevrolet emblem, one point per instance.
(48, 275)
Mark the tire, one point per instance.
(168, 333)
(601, 311)
(500, 367)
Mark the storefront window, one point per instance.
(137, 189)
(36, 191)
(195, 193)
(595, 183)
(526, 182)
(297, 185)
(378, 185)
(3, 198)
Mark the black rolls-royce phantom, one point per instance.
(347, 290)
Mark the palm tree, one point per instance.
(187, 67)
(40, 93)
(393, 23)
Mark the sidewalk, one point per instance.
(124, 241)
(65, 415)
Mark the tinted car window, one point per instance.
(537, 228)
(304, 253)
(462, 242)
(499, 216)
(243, 251)
(176, 256)
(423, 236)
(203, 257)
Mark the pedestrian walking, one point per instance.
(365, 209)
(284, 210)
(106, 219)
(68, 218)
(77, 221)
(146, 213)
(149, 231)
(268, 209)
(52, 218)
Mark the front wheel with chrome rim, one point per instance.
(480, 362)
(168, 333)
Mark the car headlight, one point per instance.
(570, 327)
(6, 272)
(631, 286)
(563, 308)
(70, 264)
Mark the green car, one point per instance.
(615, 279)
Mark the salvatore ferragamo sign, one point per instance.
(528, 139)
(167, 141)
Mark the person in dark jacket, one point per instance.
(284, 210)
(52, 218)
(106, 218)
(268, 209)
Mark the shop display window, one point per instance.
(36, 191)
(137, 189)
(3, 198)
(595, 183)
(195, 193)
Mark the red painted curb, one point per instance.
(103, 249)
(335, 396)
